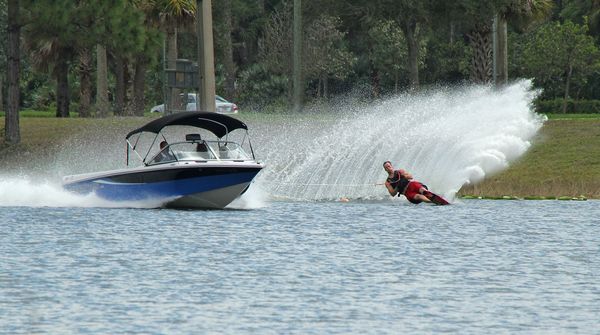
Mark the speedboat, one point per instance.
(190, 173)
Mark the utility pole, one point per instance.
(297, 84)
(495, 49)
(500, 50)
(206, 58)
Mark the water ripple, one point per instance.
(298, 267)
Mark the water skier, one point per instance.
(402, 182)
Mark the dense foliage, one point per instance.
(377, 47)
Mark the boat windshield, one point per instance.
(200, 151)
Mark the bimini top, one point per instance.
(218, 124)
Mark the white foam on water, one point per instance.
(23, 191)
(255, 197)
(446, 137)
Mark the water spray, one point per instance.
(447, 138)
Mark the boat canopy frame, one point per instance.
(218, 124)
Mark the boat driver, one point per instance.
(164, 155)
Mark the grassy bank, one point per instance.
(564, 160)
(42, 137)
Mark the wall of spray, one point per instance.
(446, 137)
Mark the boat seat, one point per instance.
(224, 154)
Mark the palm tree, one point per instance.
(521, 13)
(170, 15)
(53, 55)
(518, 12)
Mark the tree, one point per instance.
(412, 17)
(581, 12)
(568, 53)
(3, 38)
(388, 52)
(275, 47)
(325, 55)
(117, 52)
(51, 38)
(170, 15)
(11, 127)
(522, 13)
(84, 69)
(223, 32)
(477, 18)
(57, 30)
(102, 105)
(124, 38)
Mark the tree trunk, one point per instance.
(139, 80)
(412, 41)
(120, 84)
(567, 87)
(481, 63)
(502, 51)
(102, 104)
(11, 126)
(298, 87)
(1, 92)
(227, 57)
(174, 102)
(62, 86)
(84, 69)
(375, 82)
(129, 103)
(319, 86)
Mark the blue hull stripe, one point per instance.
(110, 190)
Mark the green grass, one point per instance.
(34, 113)
(564, 161)
(41, 136)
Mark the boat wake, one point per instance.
(25, 191)
(446, 138)
(29, 192)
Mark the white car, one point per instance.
(223, 106)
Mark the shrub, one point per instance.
(573, 106)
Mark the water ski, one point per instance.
(436, 199)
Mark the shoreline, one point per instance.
(525, 198)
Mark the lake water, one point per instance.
(303, 267)
(296, 260)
